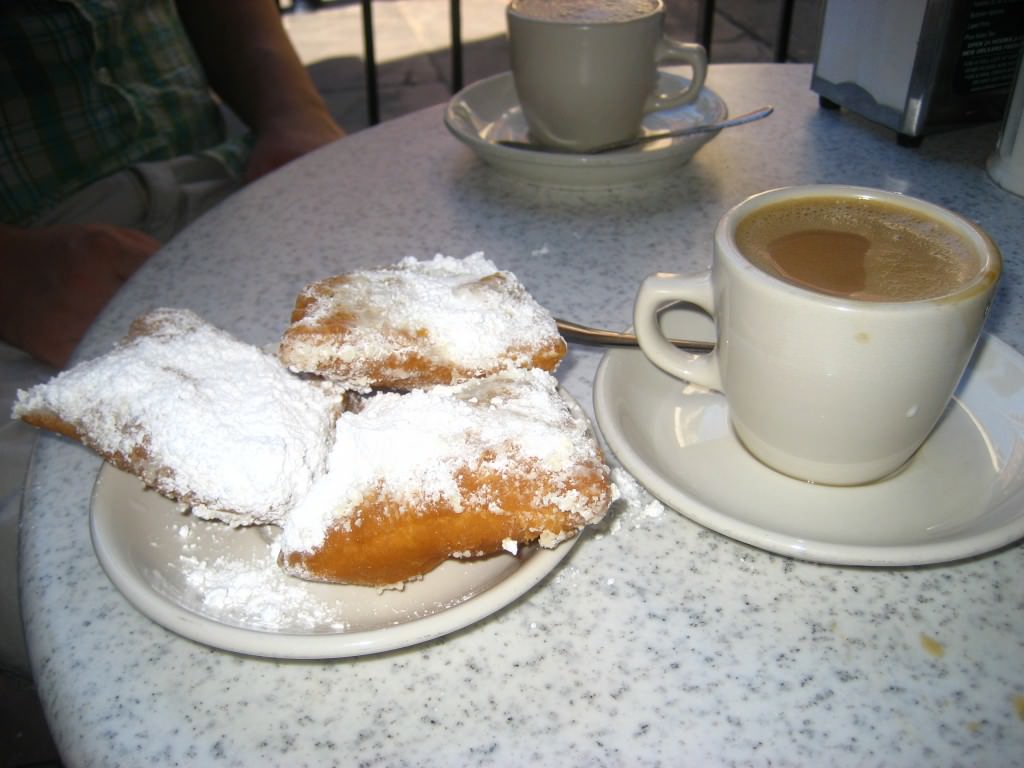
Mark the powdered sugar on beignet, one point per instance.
(200, 416)
(420, 323)
(463, 470)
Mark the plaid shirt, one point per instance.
(88, 87)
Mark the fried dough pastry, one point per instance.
(199, 416)
(419, 323)
(454, 471)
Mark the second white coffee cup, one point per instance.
(830, 384)
(585, 71)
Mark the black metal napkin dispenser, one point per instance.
(917, 66)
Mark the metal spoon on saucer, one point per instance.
(749, 117)
(583, 334)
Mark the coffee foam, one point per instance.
(905, 255)
(585, 11)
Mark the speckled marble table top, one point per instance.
(657, 641)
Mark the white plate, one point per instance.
(488, 111)
(961, 495)
(174, 568)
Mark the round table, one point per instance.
(657, 641)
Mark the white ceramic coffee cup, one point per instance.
(582, 84)
(823, 388)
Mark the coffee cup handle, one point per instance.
(673, 52)
(656, 293)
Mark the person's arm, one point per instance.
(252, 65)
(55, 280)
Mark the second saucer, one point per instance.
(488, 111)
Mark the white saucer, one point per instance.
(488, 111)
(176, 568)
(961, 495)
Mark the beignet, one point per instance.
(419, 323)
(453, 471)
(198, 415)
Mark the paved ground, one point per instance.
(412, 37)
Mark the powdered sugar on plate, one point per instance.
(253, 592)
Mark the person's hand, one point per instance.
(55, 280)
(282, 142)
